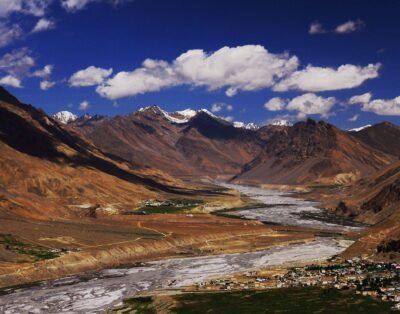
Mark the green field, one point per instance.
(35, 252)
(289, 300)
(174, 207)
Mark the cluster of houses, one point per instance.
(237, 283)
(380, 280)
(174, 203)
(155, 203)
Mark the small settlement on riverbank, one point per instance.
(378, 280)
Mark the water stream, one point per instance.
(109, 287)
(282, 208)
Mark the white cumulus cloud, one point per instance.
(10, 80)
(316, 28)
(9, 33)
(43, 24)
(349, 27)
(29, 7)
(45, 85)
(219, 106)
(243, 68)
(306, 104)
(315, 79)
(76, 5)
(382, 107)
(354, 118)
(235, 69)
(360, 99)
(45, 72)
(275, 104)
(17, 63)
(90, 76)
(84, 105)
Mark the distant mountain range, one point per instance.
(184, 143)
(199, 143)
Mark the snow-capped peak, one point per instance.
(281, 122)
(208, 112)
(178, 117)
(247, 126)
(65, 117)
(184, 116)
(360, 128)
(153, 108)
(187, 113)
(169, 117)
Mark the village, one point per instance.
(378, 280)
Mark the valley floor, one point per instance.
(112, 241)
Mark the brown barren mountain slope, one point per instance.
(201, 146)
(376, 201)
(383, 136)
(142, 138)
(45, 165)
(216, 147)
(313, 153)
(307, 153)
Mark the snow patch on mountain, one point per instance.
(247, 126)
(184, 116)
(169, 117)
(281, 122)
(209, 113)
(152, 108)
(178, 117)
(187, 113)
(64, 117)
(360, 128)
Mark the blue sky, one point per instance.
(311, 57)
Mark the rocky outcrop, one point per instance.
(312, 152)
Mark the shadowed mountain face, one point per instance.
(7, 97)
(377, 198)
(313, 152)
(42, 162)
(376, 201)
(384, 136)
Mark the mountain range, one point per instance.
(198, 143)
(52, 165)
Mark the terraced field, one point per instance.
(290, 300)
